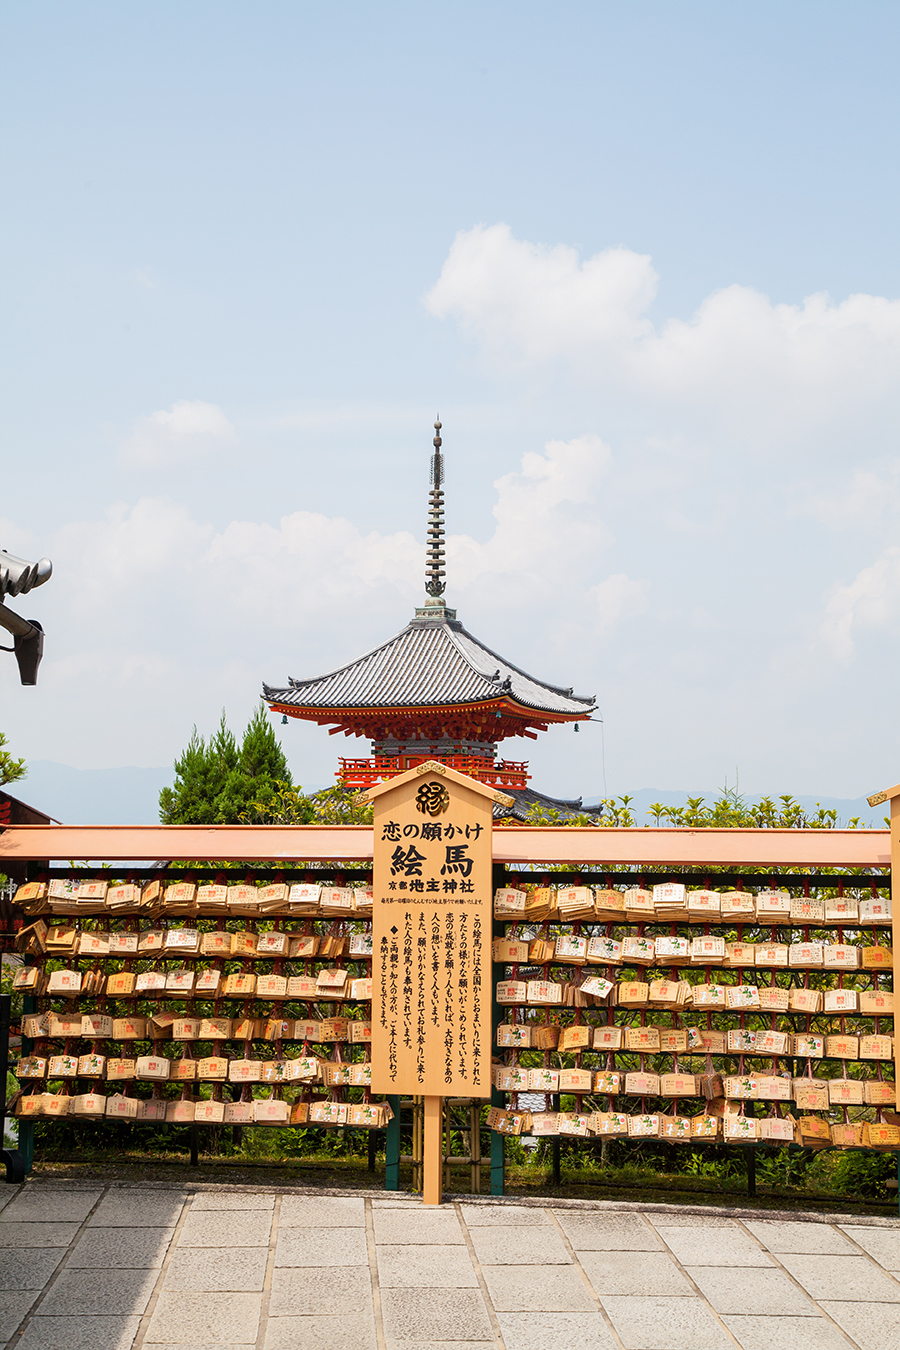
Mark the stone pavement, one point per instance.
(111, 1267)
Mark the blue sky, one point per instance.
(250, 250)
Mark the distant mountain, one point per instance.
(126, 796)
(846, 807)
(130, 796)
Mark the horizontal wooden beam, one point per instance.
(194, 843)
(514, 845)
(677, 847)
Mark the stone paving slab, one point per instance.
(485, 1216)
(854, 1277)
(188, 1318)
(873, 1326)
(880, 1243)
(779, 1236)
(353, 1332)
(425, 1267)
(14, 1307)
(423, 1225)
(111, 1248)
(322, 1247)
(531, 1246)
(786, 1333)
(609, 1233)
(212, 1270)
(653, 1322)
(77, 1292)
(28, 1269)
(308, 1211)
(434, 1314)
(241, 1201)
(544, 1289)
(34, 1205)
(302, 1292)
(136, 1208)
(634, 1273)
(80, 1333)
(714, 1246)
(226, 1229)
(173, 1268)
(14, 1234)
(540, 1331)
(737, 1290)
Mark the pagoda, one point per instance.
(434, 691)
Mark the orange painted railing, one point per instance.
(365, 773)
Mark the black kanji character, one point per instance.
(457, 861)
(409, 862)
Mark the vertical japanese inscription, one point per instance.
(432, 909)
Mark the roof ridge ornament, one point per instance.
(434, 568)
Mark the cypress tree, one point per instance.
(216, 780)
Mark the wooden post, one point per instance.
(434, 1153)
(895, 901)
(877, 799)
(392, 1148)
(431, 939)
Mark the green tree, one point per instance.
(338, 805)
(729, 811)
(217, 780)
(11, 770)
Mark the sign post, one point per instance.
(892, 795)
(431, 944)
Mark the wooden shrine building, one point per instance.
(434, 691)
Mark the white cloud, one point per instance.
(311, 566)
(870, 601)
(190, 429)
(616, 598)
(767, 374)
(153, 609)
(547, 523)
(529, 303)
(860, 499)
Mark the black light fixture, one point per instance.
(284, 719)
(18, 577)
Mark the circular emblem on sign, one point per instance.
(432, 799)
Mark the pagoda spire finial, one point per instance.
(434, 568)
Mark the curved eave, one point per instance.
(511, 707)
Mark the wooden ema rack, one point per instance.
(808, 864)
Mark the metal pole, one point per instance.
(498, 1143)
(392, 1148)
(16, 1166)
(15, 624)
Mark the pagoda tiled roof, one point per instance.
(524, 799)
(429, 664)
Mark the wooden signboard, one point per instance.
(892, 795)
(431, 943)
